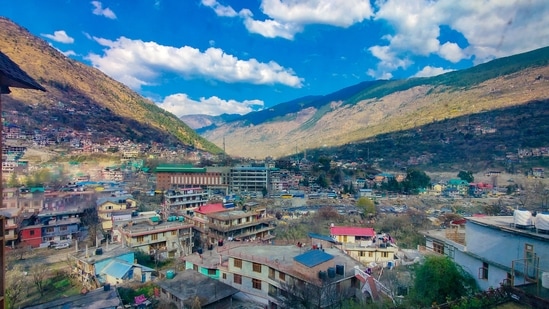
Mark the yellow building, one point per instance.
(108, 205)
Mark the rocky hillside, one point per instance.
(370, 109)
(83, 98)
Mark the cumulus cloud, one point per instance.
(137, 63)
(180, 104)
(60, 36)
(285, 18)
(219, 9)
(389, 62)
(69, 53)
(99, 10)
(428, 71)
(491, 28)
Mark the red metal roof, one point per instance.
(352, 231)
(210, 208)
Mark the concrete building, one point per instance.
(498, 250)
(113, 265)
(278, 275)
(249, 179)
(189, 288)
(183, 199)
(171, 176)
(218, 223)
(364, 245)
(169, 238)
(106, 206)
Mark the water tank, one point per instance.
(331, 272)
(181, 219)
(322, 275)
(170, 274)
(199, 250)
(107, 287)
(340, 269)
(98, 251)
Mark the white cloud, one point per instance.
(428, 71)
(180, 104)
(451, 52)
(99, 10)
(219, 9)
(389, 62)
(69, 53)
(60, 36)
(491, 28)
(137, 63)
(285, 18)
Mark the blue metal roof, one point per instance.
(312, 258)
(117, 269)
(322, 237)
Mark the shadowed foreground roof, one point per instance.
(11, 75)
(188, 284)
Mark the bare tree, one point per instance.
(39, 274)
(16, 284)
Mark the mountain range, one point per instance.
(368, 109)
(82, 98)
(486, 98)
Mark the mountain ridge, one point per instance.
(83, 98)
(367, 109)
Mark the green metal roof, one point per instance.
(179, 168)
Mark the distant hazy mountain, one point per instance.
(371, 109)
(199, 121)
(83, 98)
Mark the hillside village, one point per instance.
(97, 221)
(221, 221)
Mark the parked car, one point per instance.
(62, 246)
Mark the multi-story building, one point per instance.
(498, 250)
(168, 238)
(279, 275)
(11, 225)
(364, 245)
(218, 223)
(106, 206)
(182, 199)
(249, 179)
(170, 176)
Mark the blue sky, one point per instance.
(233, 56)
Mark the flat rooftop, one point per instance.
(506, 224)
(279, 257)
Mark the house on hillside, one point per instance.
(189, 288)
(499, 250)
(459, 185)
(364, 245)
(274, 275)
(97, 267)
(106, 206)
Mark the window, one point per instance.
(224, 276)
(483, 271)
(195, 267)
(370, 254)
(256, 284)
(271, 273)
(154, 236)
(212, 272)
(237, 278)
(31, 233)
(49, 230)
(438, 248)
(237, 263)
(63, 228)
(384, 254)
(256, 267)
(174, 233)
(139, 238)
(529, 253)
(282, 276)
